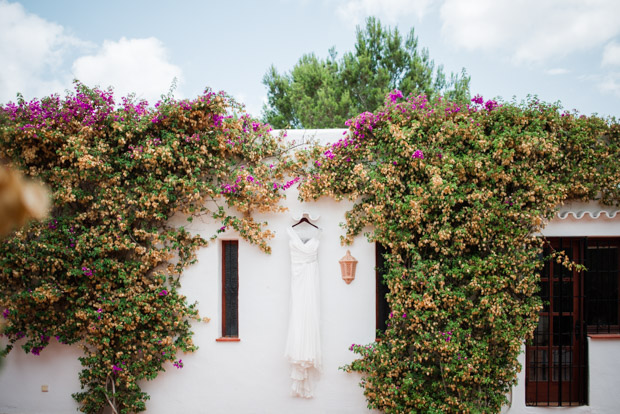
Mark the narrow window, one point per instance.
(382, 306)
(230, 290)
(602, 296)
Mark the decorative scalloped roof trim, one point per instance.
(578, 215)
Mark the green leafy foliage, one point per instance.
(325, 93)
(103, 272)
(457, 194)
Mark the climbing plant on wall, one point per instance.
(457, 194)
(103, 271)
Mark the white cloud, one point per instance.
(610, 84)
(253, 103)
(530, 31)
(32, 48)
(389, 11)
(129, 65)
(611, 54)
(557, 71)
(242, 98)
(36, 56)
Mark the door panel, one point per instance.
(555, 358)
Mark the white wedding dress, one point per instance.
(303, 345)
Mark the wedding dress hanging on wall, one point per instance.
(303, 344)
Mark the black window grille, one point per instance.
(602, 301)
(382, 306)
(230, 288)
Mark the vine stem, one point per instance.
(112, 402)
(443, 381)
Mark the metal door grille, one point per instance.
(556, 365)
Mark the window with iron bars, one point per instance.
(575, 304)
(601, 286)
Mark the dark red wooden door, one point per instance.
(555, 359)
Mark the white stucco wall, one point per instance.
(252, 376)
(22, 375)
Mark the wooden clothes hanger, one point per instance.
(304, 220)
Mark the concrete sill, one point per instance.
(228, 339)
(604, 336)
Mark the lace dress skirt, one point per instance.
(303, 345)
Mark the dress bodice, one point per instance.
(303, 252)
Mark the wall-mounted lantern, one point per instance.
(347, 267)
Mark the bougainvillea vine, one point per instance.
(103, 271)
(456, 194)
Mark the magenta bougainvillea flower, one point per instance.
(395, 94)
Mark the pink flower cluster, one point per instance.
(369, 347)
(447, 335)
(227, 188)
(488, 105)
(134, 150)
(477, 99)
(291, 183)
(394, 95)
(366, 120)
(217, 120)
(139, 109)
(193, 138)
(52, 111)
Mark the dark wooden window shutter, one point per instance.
(382, 306)
(230, 288)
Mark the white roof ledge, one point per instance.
(584, 219)
(578, 215)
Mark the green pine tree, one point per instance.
(325, 93)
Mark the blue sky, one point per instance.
(560, 50)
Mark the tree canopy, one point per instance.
(325, 93)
